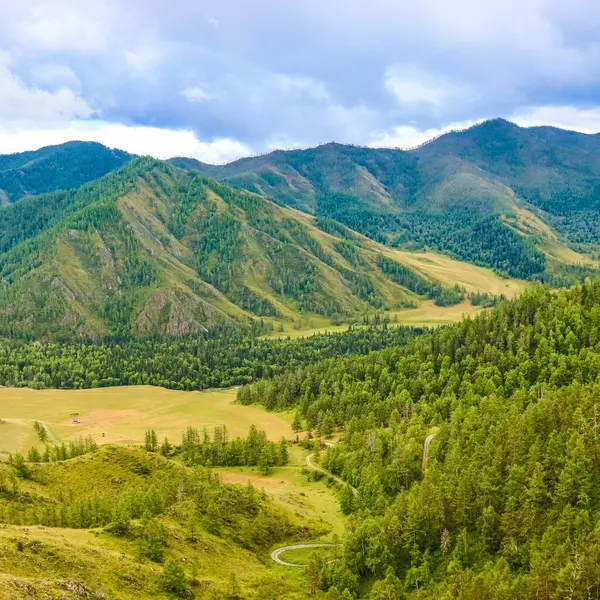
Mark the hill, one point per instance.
(121, 522)
(52, 168)
(151, 250)
(507, 504)
(521, 200)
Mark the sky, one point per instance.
(221, 79)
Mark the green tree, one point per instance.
(266, 460)
(297, 422)
(283, 452)
(347, 500)
(388, 589)
(213, 520)
(152, 542)
(34, 456)
(18, 463)
(173, 578)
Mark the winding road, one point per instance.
(324, 471)
(275, 554)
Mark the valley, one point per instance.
(338, 373)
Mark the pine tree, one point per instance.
(347, 500)
(34, 455)
(213, 520)
(266, 460)
(283, 452)
(166, 448)
(173, 578)
(297, 423)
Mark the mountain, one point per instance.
(54, 168)
(151, 249)
(521, 200)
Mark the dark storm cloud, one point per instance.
(282, 73)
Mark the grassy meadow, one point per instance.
(290, 489)
(425, 315)
(124, 414)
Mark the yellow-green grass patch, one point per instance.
(124, 414)
(451, 272)
(291, 490)
(301, 556)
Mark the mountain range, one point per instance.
(96, 242)
(523, 201)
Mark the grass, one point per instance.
(451, 272)
(301, 556)
(430, 315)
(17, 435)
(37, 559)
(124, 414)
(425, 315)
(291, 490)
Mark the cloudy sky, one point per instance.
(219, 79)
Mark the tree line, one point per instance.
(231, 357)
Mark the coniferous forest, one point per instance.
(506, 504)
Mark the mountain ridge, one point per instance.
(53, 168)
(154, 250)
(448, 191)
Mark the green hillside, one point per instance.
(507, 503)
(124, 523)
(521, 200)
(62, 167)
(151, 249)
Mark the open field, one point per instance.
(290, 489)
(123, 414)
(430, 315)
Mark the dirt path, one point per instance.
(324, 471)
(426, 450)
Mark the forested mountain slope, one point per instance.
(521, 200)
(52, 168)
(151, 249)
(508, 504)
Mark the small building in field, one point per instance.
(75, 420)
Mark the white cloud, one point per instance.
(409, 136)
(55, 76)
(302, 86)
(58, 26)
(143, 59)
(19, 102)
(153, 141)
(585, 120)
(198, 94)
(214, 22)
(412, 86)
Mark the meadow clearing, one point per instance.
(427, 314)
(124, 414)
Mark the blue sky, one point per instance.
(227, 78)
